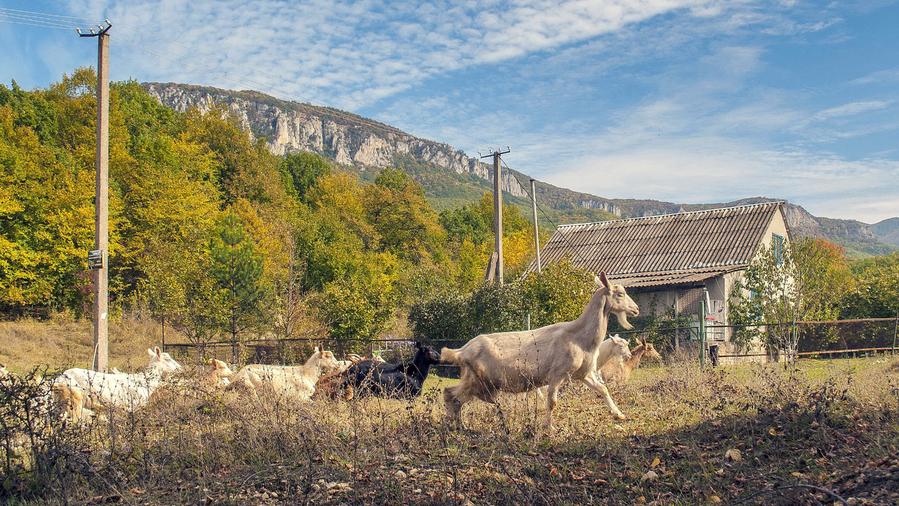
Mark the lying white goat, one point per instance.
(93, 390)
(522, 361)
(293, 381)
(218, 375)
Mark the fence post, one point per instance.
(702, 310)
(794, 344)
(895, 329)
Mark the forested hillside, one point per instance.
(212, 232)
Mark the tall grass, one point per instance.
(190, 445)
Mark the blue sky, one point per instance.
(679, 100)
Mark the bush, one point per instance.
(559, 293)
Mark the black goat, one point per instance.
(396, 381)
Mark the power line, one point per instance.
(44, 14)
(4, 18)
(64, 22)
(39, 19)
(545, 214)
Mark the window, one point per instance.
(777, 243)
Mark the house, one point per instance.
(668, 263)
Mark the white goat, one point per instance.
(218, 375)
(522, 361)
(80, 389)
(296, 381)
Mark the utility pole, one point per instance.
(98, 259)
(498, 211)
(536, 227)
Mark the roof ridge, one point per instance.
(682, 213)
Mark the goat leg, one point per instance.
(597, 385)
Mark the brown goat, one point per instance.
(619, 371)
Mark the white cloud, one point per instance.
(346, 54)
(851, 109)
(880, 77)
(714, 169)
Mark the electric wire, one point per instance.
(43, 14)
(545, 214)
(39, 24)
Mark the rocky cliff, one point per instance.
(347, 138)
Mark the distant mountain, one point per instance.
(451, 178)
(887, 231)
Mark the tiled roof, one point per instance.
(668, 249)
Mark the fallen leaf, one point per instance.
(733, 455)
(649, 476)
(655, 463)
(714, 499)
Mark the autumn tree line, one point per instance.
(214, 235)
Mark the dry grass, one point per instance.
(63, 342)
(827, 424)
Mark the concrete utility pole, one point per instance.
(498, 211)
(98, 259)
(536, 227)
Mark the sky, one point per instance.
(680, 100)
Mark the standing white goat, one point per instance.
(522, 361)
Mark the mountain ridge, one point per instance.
(451, 177)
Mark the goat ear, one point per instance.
(604, 280)
(151, 353)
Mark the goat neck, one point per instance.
(593, 324)
(419, 366)
(636, 356)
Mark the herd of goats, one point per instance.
(542, 359)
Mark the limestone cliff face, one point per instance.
(347, 138)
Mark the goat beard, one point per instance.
(622, 320)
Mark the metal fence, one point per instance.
(826, 339)
(820, 338)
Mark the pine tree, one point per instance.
(236, 268)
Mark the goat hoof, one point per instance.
(620, 416)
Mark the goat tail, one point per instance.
(450, 356)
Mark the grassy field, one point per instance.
(61, 343)
(756, 434)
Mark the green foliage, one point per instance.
(395, 205)
(236, 268)
(215, 235)
(357, 310)
(876, 288)
(807, 284)
(559, 293)
(304, 170)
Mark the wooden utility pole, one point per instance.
(98, 259)
(536, 227)
(498, 212)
